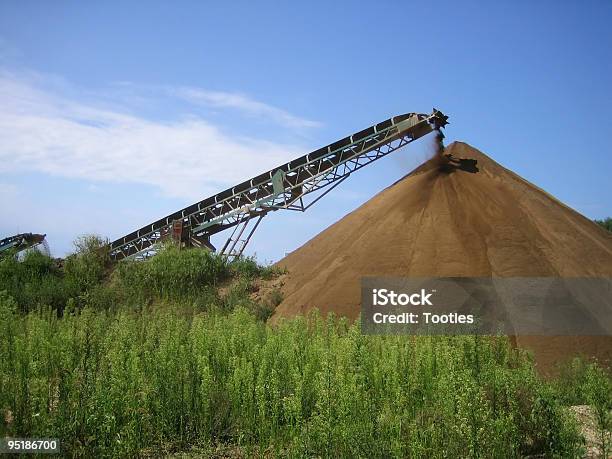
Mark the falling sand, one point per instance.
(460, 218)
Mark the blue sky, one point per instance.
(114, 114)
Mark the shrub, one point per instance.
(248, 267)
(275, 297)
(115, 384)
(33, 281)
(173, 274)
(598, 391)
(88, 265)
(605, 223)
(149, 357)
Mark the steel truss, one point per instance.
(290, 186)
(21, 241)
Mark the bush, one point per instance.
(134, 364)
(115, 384)
(239, 296)
(248, 267)
(87, 277)
(606, 223)
(173, 274)
(598, 391)
(88, 265)
(34, 281)
(275, 297)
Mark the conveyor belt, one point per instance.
(21, 241)
(283, 187)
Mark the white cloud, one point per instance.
(245, 104)
(8, 191)
(44, 130)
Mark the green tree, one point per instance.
(605, 223)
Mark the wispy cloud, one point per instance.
(245, 104)
(8, 190)
(49, 130)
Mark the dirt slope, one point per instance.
(459, 223)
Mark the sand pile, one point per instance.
(478, 220)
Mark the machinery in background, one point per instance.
(19, 242)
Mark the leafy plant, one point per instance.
(149, 356)
(116, 383)
(606, 223)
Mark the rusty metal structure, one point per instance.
(295, 185)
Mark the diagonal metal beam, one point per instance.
(282, 187)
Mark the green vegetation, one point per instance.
(586, 383)
(173, 353)
(605, 223)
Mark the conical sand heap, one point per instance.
(475, 220)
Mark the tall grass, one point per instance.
(117, 384)
(39, 281)
(173, 274)
(34, 281)
(151, 357)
